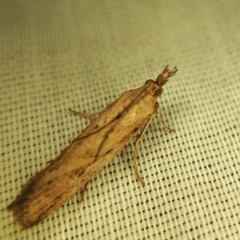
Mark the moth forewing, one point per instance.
(105, 137)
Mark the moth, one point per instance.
(127, 117)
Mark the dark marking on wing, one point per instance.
(135, 130)
(109, 151)
(118, 116)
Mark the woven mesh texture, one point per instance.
(56, 55)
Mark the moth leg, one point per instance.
(159, 115)
(134, 158)
(83, 114)
(83, 192)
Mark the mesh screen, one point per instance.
(56, 55)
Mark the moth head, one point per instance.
(165, 75)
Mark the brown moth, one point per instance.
(95, 147)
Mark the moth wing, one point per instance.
(86, 155)
(49, 189)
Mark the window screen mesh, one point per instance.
(56, 55)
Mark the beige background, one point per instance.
(84, 54)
